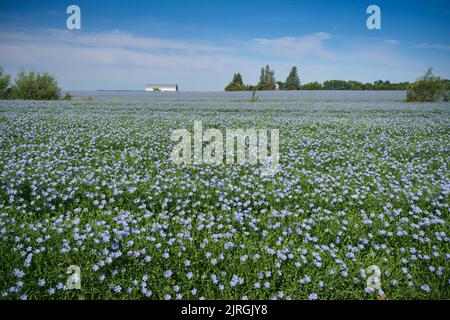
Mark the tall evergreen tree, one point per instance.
(267, 79)
(262, 79)
(4, 84)
(292, 81)
(236, 84)
(268, 75)
(238, 80)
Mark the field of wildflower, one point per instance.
(364, 181)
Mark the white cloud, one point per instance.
(115, 38)
(391, 42)
(119, 60)
(311, 45)
(433, 46)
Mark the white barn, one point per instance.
(161, 87)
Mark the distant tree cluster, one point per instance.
(29, 86)
(236, 84)
(312, 86)
(355, 85)
(267, 81)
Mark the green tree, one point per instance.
(267, 79)
(312, 86)
(382, 85)
(292, 81)
(68, 96)
(355, 85)
(428, 88)
(336, 85)
(35, 86)
(262, 78)
(446, 83)
(236, 84)
(4, 84)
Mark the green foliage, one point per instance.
(267, 79)
(267, 82)
(236, 84)
(292, 81)
(32, 86)
(312, 86)
(361, 183)
(381, 85)
(428, 88)
(4, 85)
(68, 96)
(336, 85)
(446, 83)
(446, 96)
(355, 85)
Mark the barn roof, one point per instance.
(160, 85)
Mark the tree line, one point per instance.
(267, 81)
(427, 88)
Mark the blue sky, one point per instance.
(200, 44)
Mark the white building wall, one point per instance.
(163, 88)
